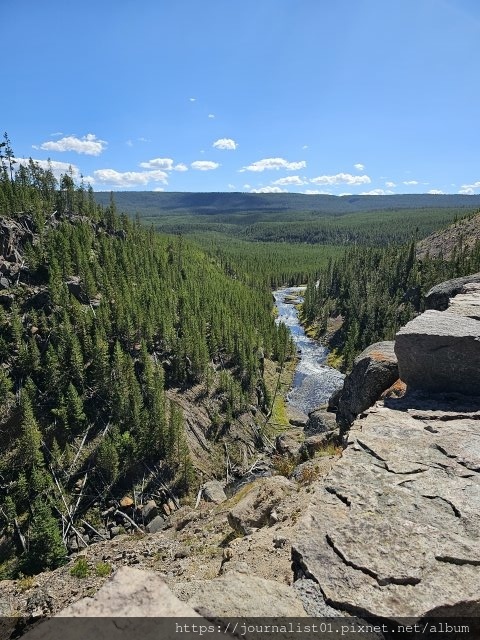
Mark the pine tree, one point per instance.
(45, 546)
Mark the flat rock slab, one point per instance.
(237, 594)
(439, 352)
(393, 530)
(438, 297)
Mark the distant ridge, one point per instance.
(148, 202)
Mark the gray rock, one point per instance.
(393, 530)
(237, 594)
(116, 531)
(334, 399)
(213, 491)
(320, 421)
(313, 444)
(4, 283)
(261, 498)
(286, 444)
(438, 296)
(374, 371)
(149, 511)
(467, 303)
(156, 525)
(440, 352)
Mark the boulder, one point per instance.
(334, 399)
(320, 421)
(315, 443)
(149, 511)
(440, 352)
(374, 371)
(259, 500)
(141, 598)
(239, 595)
(438, 296)
(286, 444)
(213, 491)
(156, 525)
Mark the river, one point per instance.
(314, 380)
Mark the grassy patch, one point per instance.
(281, 381)
(80, 569)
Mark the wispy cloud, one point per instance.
(129, 178)
(226, 144)
(180, 167)
(316, 192)
(359, 166)
(158, 163)
(390, 184)
(292, 180)
(192, 99)
(436, 192)
(377, 192)
(58, 168)
(275, 163)
(341, 178)
(204, 165)
(211, 116)
(469, 189)
(89, 145)
(410, 182)
(269, 190)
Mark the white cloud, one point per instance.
(56, 134)
(305, 146)
(247, 186)
(204, 165)
(159, 189)
(192, 99)
(359, 166)
(408, 182)
(295, 180)
(341, 178)
(390, 184)
(142, 139)
(469, 189)
(58, 168)
(158, 163)
(435, 192)
(89, 145)
(316, 192)
(211, 116)
(269, 190)
(225, 144)
(180, 167)
(275, 163)
(129, 178)
(129, 143)
(377, 192)
(231, 186)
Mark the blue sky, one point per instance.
(338, 96)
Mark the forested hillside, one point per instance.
(99, 319)
(369, 293)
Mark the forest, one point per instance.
(111, 316)
(99, 318)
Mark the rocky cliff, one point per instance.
(393, 529)
(388, 529)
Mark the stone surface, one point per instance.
(237, 594)
(255, 508)
(213, 492)
(374, 371)
(286, 444)
(440, 351)
(467, 303)
(131, 594)
(156, 525)
(438, 296)
(149, 511)
(393, 529)
(320, 421)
